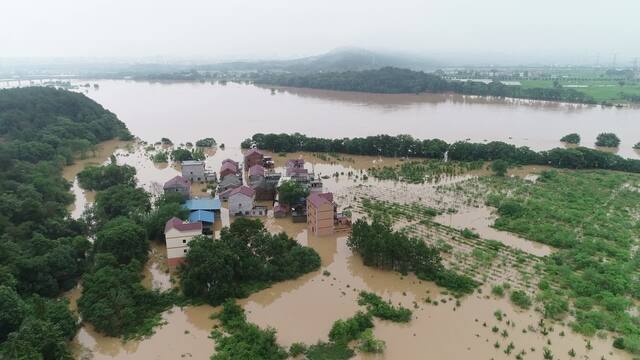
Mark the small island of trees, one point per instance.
(572, 138)
(608, 140)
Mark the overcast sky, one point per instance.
(227, 29)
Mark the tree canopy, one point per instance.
(607, 140)
(246, 258)
(103, 177)
(391, 80)
(292, 192)
(42, 250)
(572, 138)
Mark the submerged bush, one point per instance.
(383, 310)
(572, 138)
(608, 140)
(521, 299)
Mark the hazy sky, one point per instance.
(286, 28)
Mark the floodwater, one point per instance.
(230, 113)
(304, 309)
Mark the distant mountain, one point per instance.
(343, 59)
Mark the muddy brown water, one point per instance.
(230, 113)
(304, 309)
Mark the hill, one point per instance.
(343, 59)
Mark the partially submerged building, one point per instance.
(178, 234)
(195, 170)
(322, 215)
(242, 202)
(229, 182)
(178, 184)
(253, 157)
(229, 167)
(321, 212)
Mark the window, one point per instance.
(184, 251)
(184, 241)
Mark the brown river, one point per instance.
(304, 309)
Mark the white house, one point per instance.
(242, 202)
(177, 234)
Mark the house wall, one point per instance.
(320, 220)
(193, 172)
(240, 202)
(177, 242)
(185, 192)
(254, 159)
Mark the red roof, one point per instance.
(229, 166)
(253, 152)
(256, 170)
(175, 181)
(175, 223)
(230, 161)
(318, 199)
(245, 190)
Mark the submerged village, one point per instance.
(316, 199)
(301, 198)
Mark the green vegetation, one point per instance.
(344, 331)
(462, 151)
(114, 301)
(247, 258)
(292, 192)
(607, 140)
(603, 89)
(166, 207)
(369, 344)
(497, 290)
(160, 157)
(243, 340)
(390, 80)
(124, 239)
(418, 172)
(120, 200)
(44, 252)
(520, 298)
(593, 217)
(637, 146)
(383, 310)
(381, 247)
(329, 351)
(206, 142)
(102, 177)
(499, 167)
(386, 211)
(572, 138)
(180, 154)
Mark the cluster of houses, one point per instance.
(318, 210)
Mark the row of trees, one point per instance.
(379, 145)
(603, 139)
(407, 146)
(245, 259)
(381, 247)
(42, 250)
(398, 81)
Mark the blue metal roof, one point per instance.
(202, 215)
(203, 204)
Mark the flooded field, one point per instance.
(315, 301)
(304, 309)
